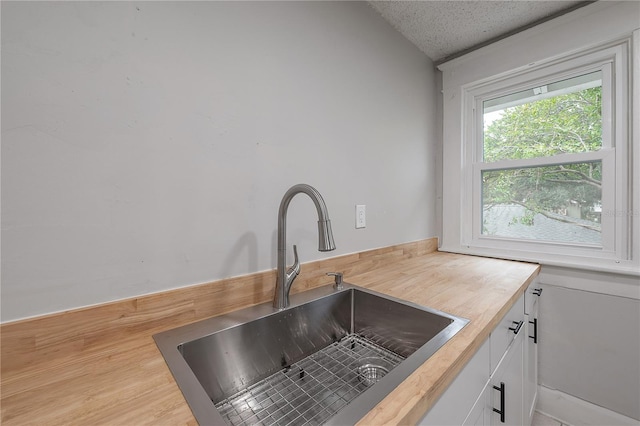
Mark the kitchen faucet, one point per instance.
(325, 241)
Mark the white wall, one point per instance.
(589, 321)
(528, 55)
(147, 145)
(589, 344)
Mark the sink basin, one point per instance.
(328, 359)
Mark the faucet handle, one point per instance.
(337, 278)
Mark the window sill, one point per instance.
(624, 267)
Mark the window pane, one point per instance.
(560, 203)
(558, 118)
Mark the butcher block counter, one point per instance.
(100, 365)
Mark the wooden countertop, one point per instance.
(100, 365)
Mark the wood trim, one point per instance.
(86, 330)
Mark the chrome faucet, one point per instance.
(325, 241)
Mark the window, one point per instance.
(558, 127)
(546, 165)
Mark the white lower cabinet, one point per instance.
(458, 400)
(506, 382)
(499, 384)
(480, 414)
(531, 351)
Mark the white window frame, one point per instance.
(612, 61)
(618, 61)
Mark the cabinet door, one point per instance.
(531, 363)
(507, 386)
(480, 414)
(456, 402)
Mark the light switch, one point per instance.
(361, 216)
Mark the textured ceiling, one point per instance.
(445, 29)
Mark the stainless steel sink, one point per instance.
(328, 359)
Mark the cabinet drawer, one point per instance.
(531, 296)
(504, 333)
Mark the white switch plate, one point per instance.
(361, 216)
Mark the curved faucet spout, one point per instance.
(325, 241)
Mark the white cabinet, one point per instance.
(480, 414)
(507, 367)
(504, 333)
(458, 400)
(507, 385)
(499, 384)
(531, 351)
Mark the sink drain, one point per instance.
(371, 370)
